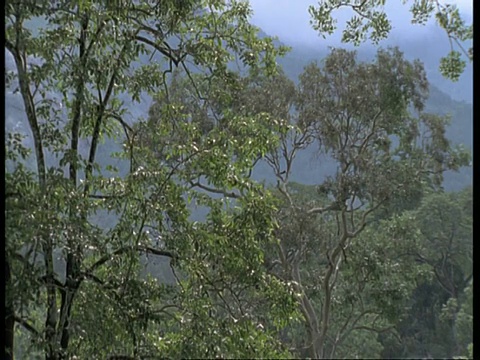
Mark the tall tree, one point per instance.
(75, 284)
(360, 116)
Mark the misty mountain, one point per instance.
(428, 44)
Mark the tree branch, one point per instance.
(122, 122)
(26, 325)
(215, 191)
(122, 250)
(318, 210)
(165, 50)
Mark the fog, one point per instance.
(290, 20)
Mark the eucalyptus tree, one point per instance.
(80, 74)
(366, 119)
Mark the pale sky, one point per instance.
(290, 21)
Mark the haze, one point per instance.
(290, 20)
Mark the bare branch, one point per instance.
(332, 207)
(215, 191)
(158, 252)
(122, 250)
(122, 122)
(166, 50)
(363, 222)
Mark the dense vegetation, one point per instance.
(182, 234)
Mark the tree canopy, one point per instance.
(131, 236)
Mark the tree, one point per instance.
(358, 115)
(77, 226)
(464, 323)
(370, 19)
(439, 305)
(75, 284)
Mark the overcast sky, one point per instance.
(290, 20)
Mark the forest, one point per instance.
(179, 184)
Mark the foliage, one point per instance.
(346, 268)
(370, 19)
(78, 74)
(436, 324)
(358, 115)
